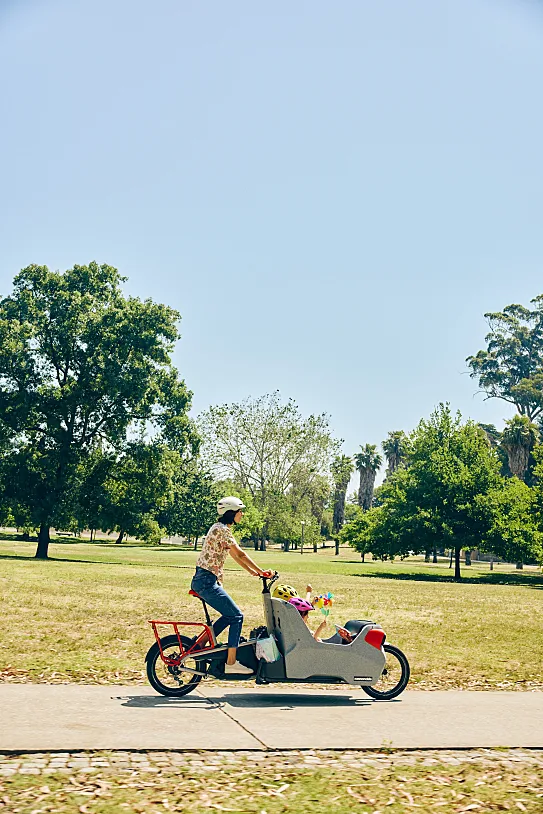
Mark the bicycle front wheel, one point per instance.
(171, 679)
(394, 678)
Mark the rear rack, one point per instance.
(204, 640)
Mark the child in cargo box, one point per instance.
(304, 606)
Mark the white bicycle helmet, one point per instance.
(229, 504)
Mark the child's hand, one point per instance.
(308, 589)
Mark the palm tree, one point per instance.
(518, 439)
(367, 462)
(492, 435)
(342, 469)
(394, 448)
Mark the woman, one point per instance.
(207, 581)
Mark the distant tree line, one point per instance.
(95, 434)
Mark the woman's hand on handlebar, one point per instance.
(266, 574)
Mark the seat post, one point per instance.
(208, 618)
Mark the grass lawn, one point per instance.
(269, 788)
(82, 615)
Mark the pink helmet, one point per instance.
(301, 605)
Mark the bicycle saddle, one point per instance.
(193, 593)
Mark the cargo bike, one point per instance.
(177, 662)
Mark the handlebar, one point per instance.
(268, 582)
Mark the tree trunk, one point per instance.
(468, 557)
(518, 457)
(435, 554)
(451, 559)
(196, 542)
(339, 507)
(337, 547)
(365, 490)
(256, 541)
(315, 549)
(263, 545)
(457, 574)
(427, 556)
(363, 556)
(520, 566)
(119, 539)
(287, 545)
(42, 552)
(492, 563)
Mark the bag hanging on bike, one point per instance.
(246, 655)
(267, 649)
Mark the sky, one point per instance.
(331, 194)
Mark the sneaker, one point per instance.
(236, 667)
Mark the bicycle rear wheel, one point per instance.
(394, 678)
(170, 679)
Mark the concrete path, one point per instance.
(48, 717)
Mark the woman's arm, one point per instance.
(245, 561)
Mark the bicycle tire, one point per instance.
(388, 695)
(153, 659)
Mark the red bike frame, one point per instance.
(204, 641)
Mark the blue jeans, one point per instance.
(205, 584)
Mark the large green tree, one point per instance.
(367, 462)
(511, 367)
(515, 532)
(81, 364)
(442, 494)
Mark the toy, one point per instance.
(324, 602)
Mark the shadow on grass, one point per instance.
(7, 537)
(95, 562)
(524, 580)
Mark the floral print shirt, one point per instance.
(215, 549)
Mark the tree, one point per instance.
(511, 368)
(193, 508)
(515, 533)
(518, 440)
(442, 494)
(394, 447)
(260, 443)
(342, 469)
(367, 463)
(138, 487)
(266, 447)
(357, 532)
(80, 366)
